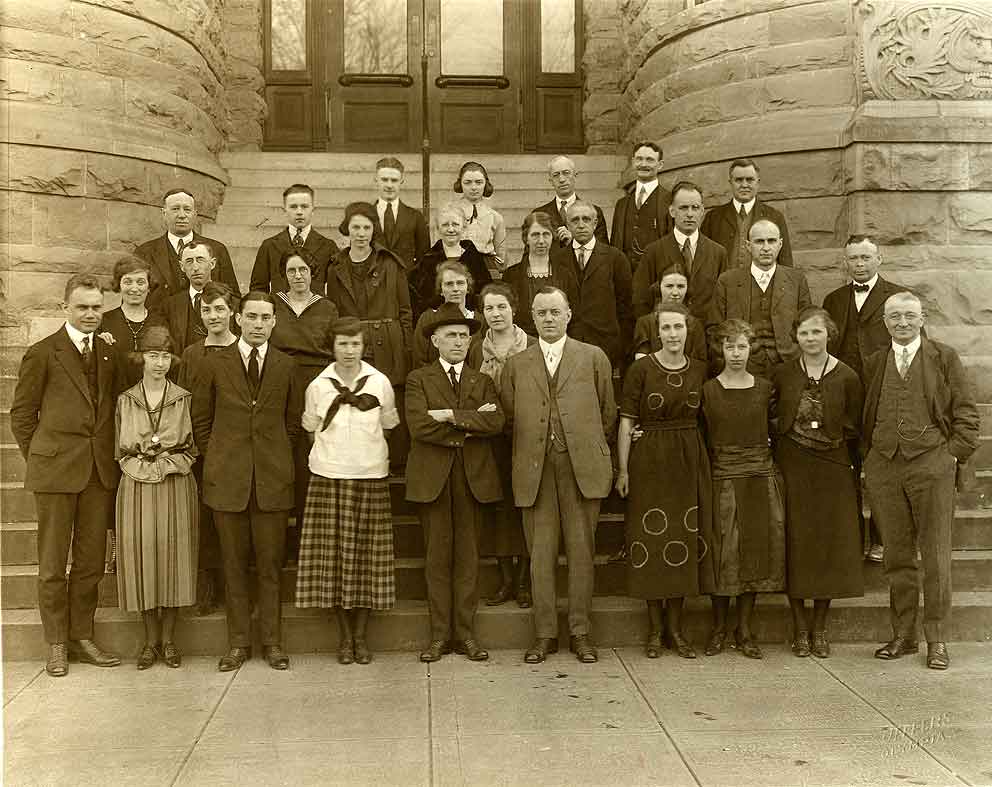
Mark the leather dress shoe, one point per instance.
(362, 653)
(714, 645)
(800, 645)
(171, 655)
(539, 651)
(524, 599)
(275, 656)
(58, 661)
(346, 651)
(472, 650)
(748, 646)
(820, 646)
(937, 656)
(234, 659)
(435, 651)
(681, 646)
(86, 651)
(900, 646)
(652, 648)
(147, 657)
(583, 649)
(504, 594)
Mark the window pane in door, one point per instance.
(472, 37)
(558, 36)
(289, 35)
(375, 37)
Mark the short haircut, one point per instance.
(172, 192)
(559, 158)
(536, 217)
(455, 267)
(859, 237)
(296, 251)
(129, 263)
(673, 307)
(675, 267)
(743, 162)
(810, 313)
(765, 221)
(499, 288)
(449, 209)
(217, 289)
(647, 144)
(81, 281)
(211, 251)
(731, 329)
(345, 326)
(297, 188)
(391, 162)
(473, 166)
(581, 203)
(903, 296)
(549, 290)
(255, 295)
(353, 209)
(686, 185)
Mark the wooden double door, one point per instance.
(497, 76)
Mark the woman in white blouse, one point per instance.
(346, 547)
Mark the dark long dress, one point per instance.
(126, 335)
(669, 516)
(525, 287)
(648, 340)
(748, 506)
(823, 534)
(423, 290)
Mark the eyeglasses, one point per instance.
(899, 316)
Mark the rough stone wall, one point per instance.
(244, 82)
(108, 104)
(601, 62)
(784, 82)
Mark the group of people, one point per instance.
(197, 422)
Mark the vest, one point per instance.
(556, 432)
(903, 420)
(739, 251)
(641, 225)
(849, 350)
(760, 317)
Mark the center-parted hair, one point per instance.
(353, 209)
(217, 289)
(499, 288)
(454, 266)
(473, 166)
(811, 313)
(731, 329)
(538, 217)
(129, 263)
(296, 251)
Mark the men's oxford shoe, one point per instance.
(435, 651)
(896, 648)
(58, 661)
(539, 651)
(275, 656)
(800, 645)
(937, 656)
(472, 650)
(502, 595)
(234, 659)
(362, 653)
(86, 651)
(583, 649)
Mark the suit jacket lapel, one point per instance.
(567, 363)
(780, 284)
(68, 355)
(236, 371)
(163, 261)
(104, 369)
(874, 301)
(729, 217)
(744, 285)
(443, 383)
(538, 368)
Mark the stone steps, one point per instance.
(616, 622)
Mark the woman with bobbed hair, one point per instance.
(346, 549)
(157, 506)
(483, 225)
(671, 287)
(454, 283)
(122, 327)
(819, 416)
(748, 547)
(535, 269)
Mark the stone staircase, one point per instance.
(252, 211)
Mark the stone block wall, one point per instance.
(107, 105)
(797, 85)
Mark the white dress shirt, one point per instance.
(748, 206)
(305, 232)
(586, 247)
(861, 297)
(564, 203)
(380, 207)
(174, 240)
(552, 353)
(644, 190)
(457, 367)
(764, 278)
(680, 239)
(911, 350)
(78, 337)
(245, 349)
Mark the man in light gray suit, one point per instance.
(558, 395)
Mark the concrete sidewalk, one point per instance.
(848, 720)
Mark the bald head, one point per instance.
(562, 173)
(765, 242)
(903, 316)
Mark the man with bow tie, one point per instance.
(766, 295)
(165, 252)
(62, 418)
(453, 411)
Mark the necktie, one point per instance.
(454, 380)
(180, 273)
(580, 256)
(197, 300)
(475, 213)
(389, 220)
(562, 213)
(742, 213)
(904, 363)
(253, 375)
(763, 281)
(198, 326)
(641, 196)
(179, 248)
(687, 255)
(550, 359)
(861, 287)
(89, 366)
(298, 238)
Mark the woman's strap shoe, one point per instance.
(652, 648)
(147, 657)
(714, 645)
(748, 646)
(800, 645)
(682, 647)
(820, 646)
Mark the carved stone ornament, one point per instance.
(926, 50)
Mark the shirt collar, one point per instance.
(649, 187)
(305, 232)
(757, 272)
(245, 349)
(330, 372)
(567, 201)
(913, 346)
(77, 336)
(680, 238)
(556, 347)
(193, 292)
(748, 206)
(174, 240)
(871, 283)
(457, 366)
(587, 246)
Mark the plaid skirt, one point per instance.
(346, 546)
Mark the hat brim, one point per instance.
(432, 325)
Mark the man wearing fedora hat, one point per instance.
(452, 411)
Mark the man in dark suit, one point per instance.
(920, 424)
(857, 309)
(641, 216)
(451, 472)
(182, 309)
(767, 296)
(247, 410)
(62, 418)
(298, 202)
(602, 316)
(729, 224)
(686, 245)
(165, 252)
(562, 174)
(558, 396)
(399, 228)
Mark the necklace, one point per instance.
(152, 420)
(814, 381)
(135, 332)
